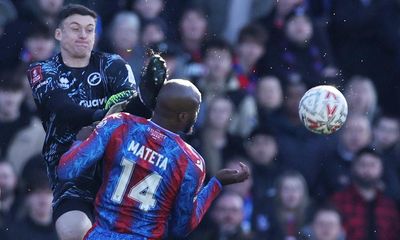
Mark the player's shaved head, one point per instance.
(177, 105)
(178, 95)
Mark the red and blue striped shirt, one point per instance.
(152, 180)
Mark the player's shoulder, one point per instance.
(126, 118)
(133, 118)
(39, 71)
(49, 64)
(109, 57)
(193, 156)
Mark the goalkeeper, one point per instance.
(73, 89)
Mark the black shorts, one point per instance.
(70, 204)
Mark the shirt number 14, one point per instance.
(143, 192)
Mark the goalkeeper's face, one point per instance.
(77, 35)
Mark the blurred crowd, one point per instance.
(252, 60)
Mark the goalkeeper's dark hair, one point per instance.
(72, 9)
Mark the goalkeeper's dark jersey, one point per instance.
(70, 98)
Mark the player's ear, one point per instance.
(57, 34)
(182, 116)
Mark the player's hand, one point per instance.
(153, 78)
(230, 176)
(118, 107)
(119, 97)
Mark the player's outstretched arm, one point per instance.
(59, 103)
(193, 202)
(153, 78)
(84, 154)
(230, 176)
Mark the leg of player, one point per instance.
(73, 225)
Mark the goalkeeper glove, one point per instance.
(119, 97)
(153, 78)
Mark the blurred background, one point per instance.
(252, 60)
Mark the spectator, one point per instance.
(19, 74)
(39, 44)
(153, 32)
(147, 9)
(213, 140)
(46, 10)
(8, 13)
(107, 10)
(367, 30)
(361, 97)
(300, 50)
(193, 32)
(123, 38)
(326, 225)
(335, 161)
(262, 150)
(263, 108)
(10, 200)
(34, 167)
(269, 94)
(22, 133)
(274, 21)
(386, 140)
(297, 145)
(386, 133)
(376, 215)
(227, 216)
(154, 25)
(37, 224)
(219, 78)
(33, 12)
(244, 189)
(250, 47)
(171, 13)
(287, 216)
(226, 18)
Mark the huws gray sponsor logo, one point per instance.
(93, 102)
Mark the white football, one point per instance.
(323, 109)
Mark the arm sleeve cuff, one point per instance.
(216, 181)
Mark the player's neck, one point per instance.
(73, 61)
(164, 124)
